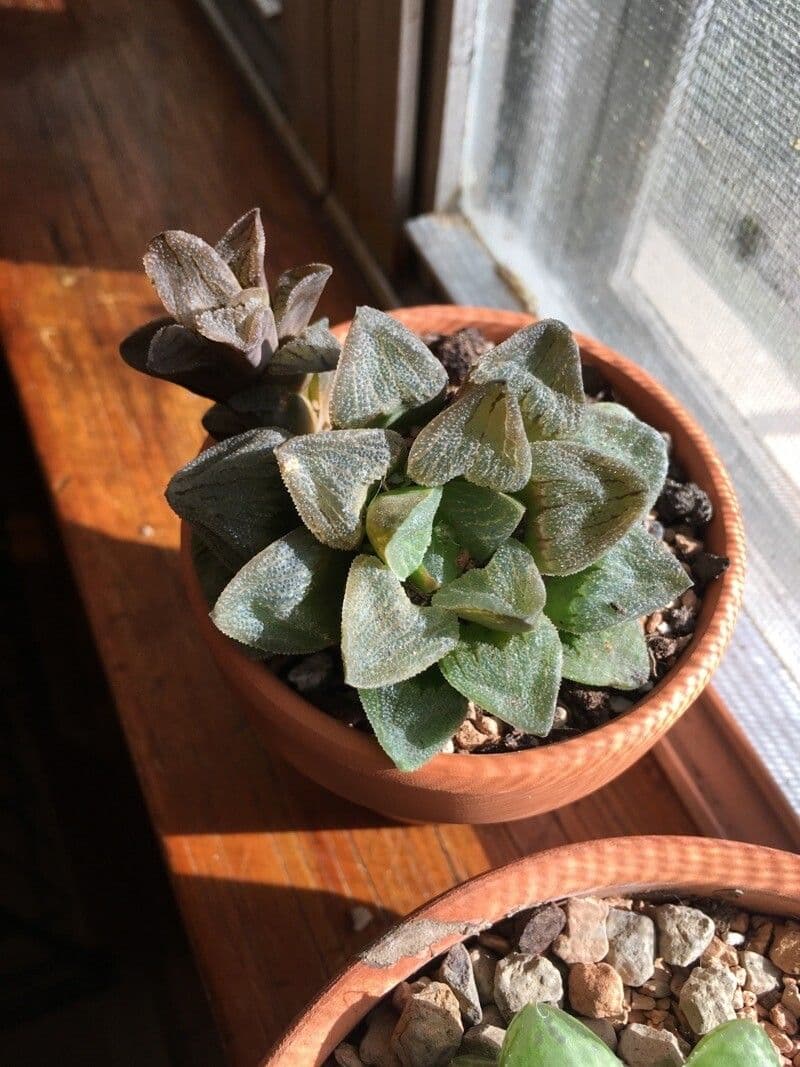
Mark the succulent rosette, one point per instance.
(469, 541)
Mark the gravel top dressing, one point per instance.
(679, 518)
(649, 979)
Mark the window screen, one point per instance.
(637, 165)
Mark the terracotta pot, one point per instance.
(760, 879)
(498, 788)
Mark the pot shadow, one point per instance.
(271, 949)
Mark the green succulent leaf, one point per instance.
(312, 351)
(472, 1059)
(286, 599)
(739, 1043)
(635, 577)
(188, 275)
(541, 365)
(615, 431)
(580, 503)
(513, 676)
(242, 248)
(384, 369)
(400, 526)
(480, 436)
(233, 493)
(261, 405)
(616, 657)
(413, 719)
(211, 572)
(296, 295)
(440, 562)
(542, 1035)
(480, 519)
(329, 476)
(507, 594)
(385, 638)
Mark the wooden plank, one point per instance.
(265, 864)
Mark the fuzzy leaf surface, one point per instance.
(313, 350)
(296, 296)
(440, 562)
(480, 519)
(480, 436)
(413, 719)
(242, 247)
(260, 405)
(329, 476)
(580, 503)
(507, 594)
(513, 676)
(383, 370)
(542, 1035)
(400, 526)
(188, 275)
(286, 599)
(739, 1043)
(234, 492)
(211, 572)
(616, 657)
(635, 577)
(541, 365)
(615, 431)
(386, 638)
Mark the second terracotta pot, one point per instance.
(503, 787)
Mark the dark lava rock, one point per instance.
(589, 707)
(684, 502)
(541, 930)
(458, 352)
(706, 567)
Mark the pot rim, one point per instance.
(758, 878)
(690, 674)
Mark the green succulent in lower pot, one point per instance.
(463, 543)
(543, 1035)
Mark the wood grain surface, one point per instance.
(265, 865)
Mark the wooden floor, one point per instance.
(118, 119)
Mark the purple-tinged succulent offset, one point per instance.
(222, 329)
(469, 541)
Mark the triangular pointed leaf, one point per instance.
(480, 436)
(242, 248)
(188, 274)
(513, 676)
(313, 350)
(244, 323)
(384, 369)
(296, 296)
(286, 599)
(635, 577)
(440, 562)
(542, 1035)
(233, 491)
(507, 594)
(413, 719)
(400, 526)
(480, 519)
(616, 657)
(211, 572)
(542, 366)
(580, 503)
(615, 431)
(330, 474)
(386, 638)
(739, 1043)
(165, 350)
(262, 404)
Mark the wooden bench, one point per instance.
(265, 865)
